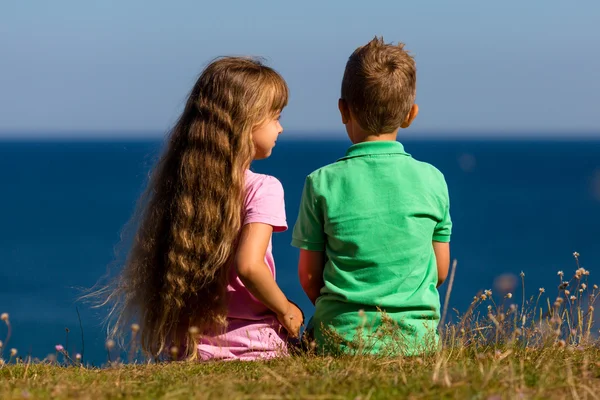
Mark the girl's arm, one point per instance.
(258, 279)
(442, 257)
(310, 272)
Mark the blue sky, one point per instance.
(124, 67)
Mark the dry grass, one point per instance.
(542, 373)
(501, 347)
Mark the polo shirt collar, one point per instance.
(375, 148)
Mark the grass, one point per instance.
(543, 373)
(500, 348)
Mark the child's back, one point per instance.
(374, 214)
(380, 208)
(253, 331)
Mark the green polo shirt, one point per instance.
(375, 213)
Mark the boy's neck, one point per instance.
(379, 137)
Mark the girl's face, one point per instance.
(264, 137)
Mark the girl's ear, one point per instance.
(344, 111)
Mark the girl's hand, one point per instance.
(292, 320)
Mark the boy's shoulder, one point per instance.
(331, 168)
(323, 174)
(429, 169)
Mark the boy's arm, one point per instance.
(442, 257)
(309, 237)
(441, 238)
(310, 272)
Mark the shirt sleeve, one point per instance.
(309, 228)
(443, 229)
(267, 205)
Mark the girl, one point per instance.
(200, 274)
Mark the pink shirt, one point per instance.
(253, 331)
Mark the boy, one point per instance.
(374, 227)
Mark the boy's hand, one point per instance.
(292, 320)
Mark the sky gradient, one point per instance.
(124, 68)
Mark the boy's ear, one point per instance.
(412, 114)
(344, 111)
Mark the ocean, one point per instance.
(516, 206)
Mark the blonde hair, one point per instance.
(176, 273)
(379, 85)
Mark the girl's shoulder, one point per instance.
(262, 184)
(264, 201)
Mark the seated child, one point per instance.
(200, 276)
(374, 227)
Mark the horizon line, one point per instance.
(330, 134)
(322, 138)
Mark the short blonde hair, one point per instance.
(379, 85)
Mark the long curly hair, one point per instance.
(176, 272)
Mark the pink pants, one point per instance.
(246, 340)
